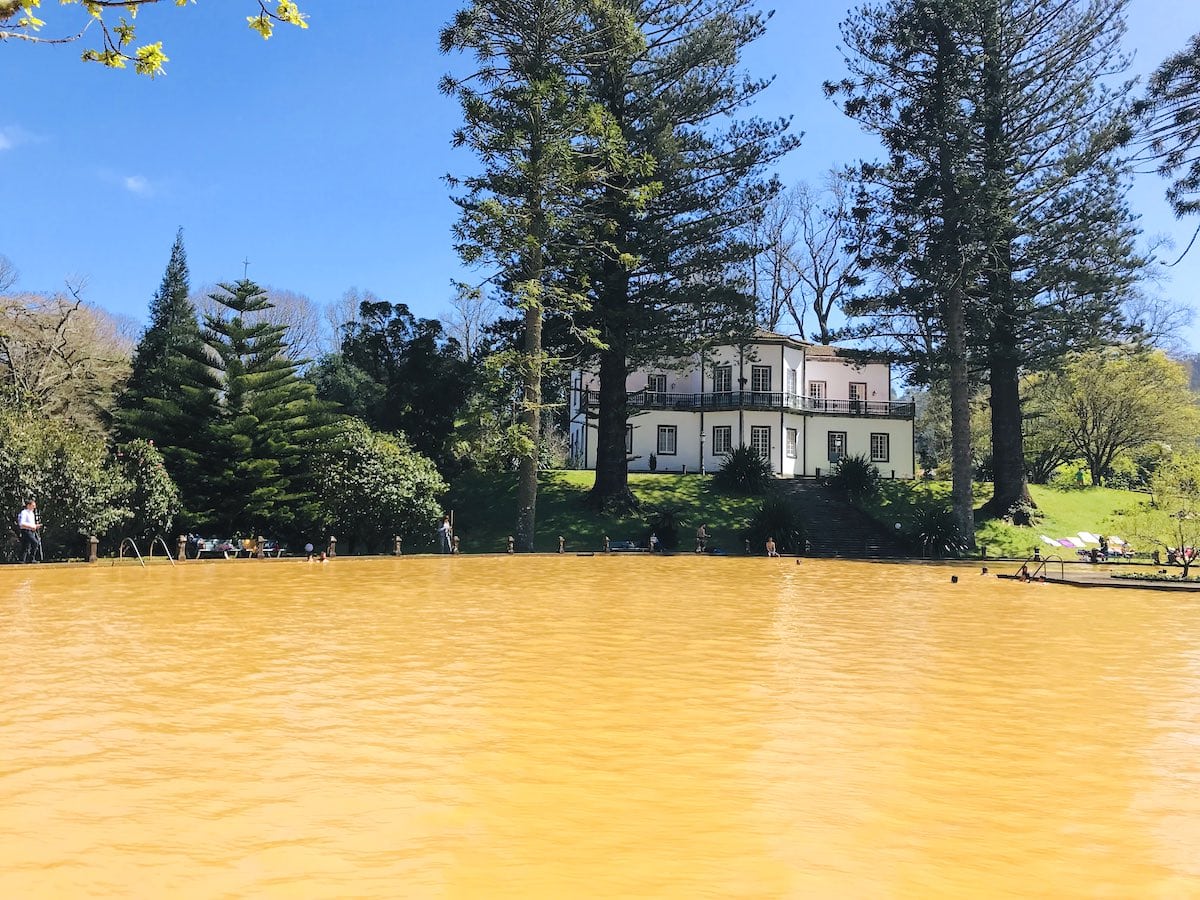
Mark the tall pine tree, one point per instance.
(669, 221)
(1059, 237)
(1046, 245)
(912, 72)
(528, 122)
(161, 357)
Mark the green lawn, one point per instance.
(1064, 513)
(485, 511)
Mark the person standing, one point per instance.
(701, 538)
(31, 541)
(444, 535)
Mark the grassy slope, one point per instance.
(485, 508)
(485, 511)
(1064, 513)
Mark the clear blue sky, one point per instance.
(319, 154)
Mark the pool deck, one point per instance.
(1088, 579)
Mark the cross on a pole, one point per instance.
(245, 268)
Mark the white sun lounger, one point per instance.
(1088, 538)
(1051, 541)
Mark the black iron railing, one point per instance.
(725, 400)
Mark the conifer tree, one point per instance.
(162, 401)
(264, 426)
(527, 121)
(911, 71)
(1046, 245)
(1170, 113)
(668, 222)
(172, 335)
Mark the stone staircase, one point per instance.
(837, 529)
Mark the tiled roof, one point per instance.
(762, 334)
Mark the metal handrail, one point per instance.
(121, 552)
(1053, 557)
(167, 550)
(647, 399)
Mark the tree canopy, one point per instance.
(372, 487)
(1170, 111)
(19, 20)
(1108, 402)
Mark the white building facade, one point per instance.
(801, 406)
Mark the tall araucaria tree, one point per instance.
(912, 69)
(530, 125)
(244, 431)
(670, 222)
(1059, 237)
(1042, 197)
(269, 426)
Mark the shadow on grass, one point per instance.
(485, 511)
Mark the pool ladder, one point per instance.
(1041, 568)
(157, 538)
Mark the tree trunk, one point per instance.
(1009, 482)
(531, 426)
(611, 487)
(1008, 443)
(962, 485)
(952, 274)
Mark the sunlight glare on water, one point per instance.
(552, 727)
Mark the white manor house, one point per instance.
(801, 406)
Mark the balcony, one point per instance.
(761, 400)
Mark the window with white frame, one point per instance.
(656, 384)
(789, 445)
(666, 440)
(791, 382)
(722, 441)
(760, 379)
(816, 390)
(880, 447)
(629, 440)
(837, 445)
(760, 440)
(722, 379)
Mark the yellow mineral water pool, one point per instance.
(592, 727)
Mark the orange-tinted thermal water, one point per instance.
(600, 727)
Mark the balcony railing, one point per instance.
(760, 400)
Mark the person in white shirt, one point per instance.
(31, 542)
(445, 534)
